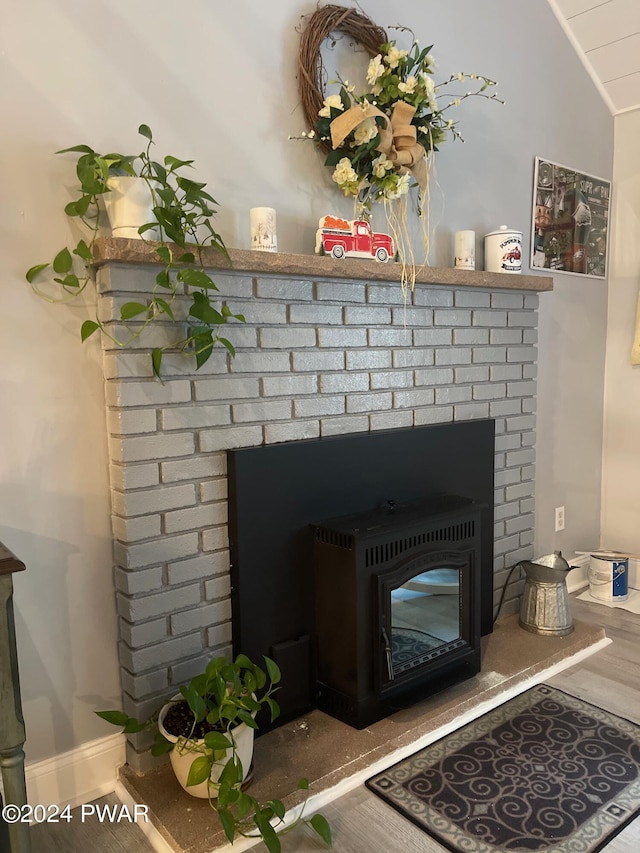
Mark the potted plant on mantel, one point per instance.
(208, 730)
(175, 210)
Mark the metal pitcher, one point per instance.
(544, 608)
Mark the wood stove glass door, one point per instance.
(421, 615)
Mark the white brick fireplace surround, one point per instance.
(319, 355)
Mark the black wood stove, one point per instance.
(397, 605)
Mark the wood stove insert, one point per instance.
(397, 605)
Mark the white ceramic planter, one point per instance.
(129, 205)
(182, 758)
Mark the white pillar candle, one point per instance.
(263, 229)
(465, 250)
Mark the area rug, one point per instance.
(545, 771)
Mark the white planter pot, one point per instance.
(182, 757)
(129, 204)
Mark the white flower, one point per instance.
(394, 56)
(380, 166)
(365, 131)
(429, 60)
(461, 76)
(344, 172)
(401, 188)
(334, 101)
(427, 82)
(410, 86)
(375, 69)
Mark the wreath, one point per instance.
(379, 142)
(321, 25)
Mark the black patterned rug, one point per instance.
(545, 771)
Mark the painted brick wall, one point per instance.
(315, 358)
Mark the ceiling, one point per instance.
(606, 34)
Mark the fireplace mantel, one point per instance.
(122, 250)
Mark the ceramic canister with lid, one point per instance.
(503, 250)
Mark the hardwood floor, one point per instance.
(360, 821)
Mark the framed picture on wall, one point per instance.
(570, 220)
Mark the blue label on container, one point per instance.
(620, 577)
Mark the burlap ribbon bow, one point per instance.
(397, 137)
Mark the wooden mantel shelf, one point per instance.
(122, 250)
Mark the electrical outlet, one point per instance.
(559, 518)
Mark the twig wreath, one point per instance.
(321, 25)
(380, 143)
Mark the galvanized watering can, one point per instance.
(544, 608)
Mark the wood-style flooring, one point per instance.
(360, 821)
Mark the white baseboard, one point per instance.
(78, 776)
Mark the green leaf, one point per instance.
(164, 305)
(87, 329)
(187, 258)
(333, 157)
(173, 163)
(199, 771)
(147, 227)
(268, 833)
(70, 280)
(228, 345)
(116, 718)
(207, 314)
(195, 702)
(303, 784)
(83, 251)
(216, 740)
(33, 272)
(228, 823)
(231, 773)
(204, 348)
(321, 826)
(145, 130)
(247, 719)
(278, 808)
(163, 280)
(273, 707)
(243, 661)
(63, 261)
(161, 745)
(164, 253)
(133, 727)
(244, 805)
(196, 278)
(156, 361)
(80, 148)
(132, 309)
(273, 670)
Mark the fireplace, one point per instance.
(391, 520)
(330, 351)
(397, 605)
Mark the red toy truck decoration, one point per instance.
(352, 239)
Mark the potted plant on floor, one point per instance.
(180, 212)
(208, 730)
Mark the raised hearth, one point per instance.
(335, 757)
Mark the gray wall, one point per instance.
(621, 458)
(217, 83)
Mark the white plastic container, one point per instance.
(503, 250)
